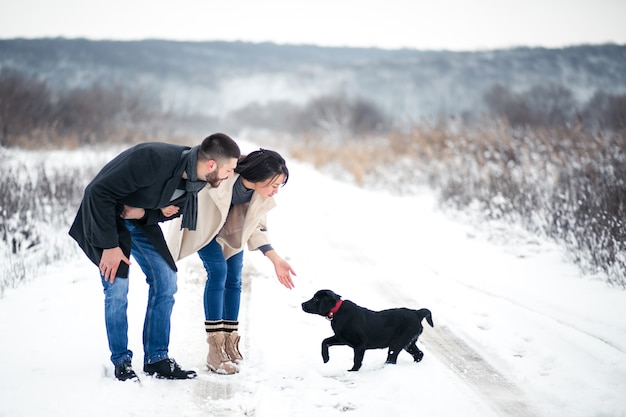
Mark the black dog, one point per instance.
(362, 329)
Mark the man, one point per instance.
(119, 215)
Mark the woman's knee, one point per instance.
(233, 280)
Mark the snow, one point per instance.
(518, 331)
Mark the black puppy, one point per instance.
(362, 329)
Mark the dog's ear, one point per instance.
(329, 293)
(328, 299)
(326, 304)
(334, 295)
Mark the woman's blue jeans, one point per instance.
(222, 291)
(161, 279)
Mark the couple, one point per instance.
(153, 182)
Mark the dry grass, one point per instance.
(567, 184)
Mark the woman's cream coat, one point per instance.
(245, 223)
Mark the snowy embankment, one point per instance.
(517, 330)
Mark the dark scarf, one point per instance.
(192, 186)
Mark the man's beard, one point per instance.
(213, 179)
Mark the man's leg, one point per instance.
(116, 320)
(156, 330)
(162, 287)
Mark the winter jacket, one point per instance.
(234, 227)
(143, 176)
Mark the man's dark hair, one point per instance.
(261, 165)
(218, 147)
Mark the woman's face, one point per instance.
(270, 187)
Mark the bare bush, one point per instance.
(564, 184)
(24, 105)
(334, 117)
(551, 105)
(606, 112)
(34, 202)
(340, 117)
(275, 115)
(505, 104)
(541, 106)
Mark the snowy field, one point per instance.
(518, 331)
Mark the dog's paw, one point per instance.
(418, 356)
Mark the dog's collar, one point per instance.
(333, 310)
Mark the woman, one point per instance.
(229, 217)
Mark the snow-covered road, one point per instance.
(517, 331)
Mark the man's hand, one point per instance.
(110, 261)
(170, 210)
(132, 213)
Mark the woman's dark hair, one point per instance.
(262, 165)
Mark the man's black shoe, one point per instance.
(168, 369)
(124, 371)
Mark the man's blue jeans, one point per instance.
(222, 291)
(161, 279)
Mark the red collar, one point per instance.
(333, 310)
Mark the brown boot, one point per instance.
(232, 347)
(232, 341)
(217, 360)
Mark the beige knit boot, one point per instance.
(232, 341)
(217, 360)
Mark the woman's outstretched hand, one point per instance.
(284, 271)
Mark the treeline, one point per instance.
(31, 111)
(539, 107)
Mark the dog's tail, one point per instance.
(424, 313)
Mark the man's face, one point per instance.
(221, 172)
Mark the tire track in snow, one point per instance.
(493, 387)
(504, 396)
(550, 316)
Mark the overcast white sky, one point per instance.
(421, 24)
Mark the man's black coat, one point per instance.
(143, 176)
